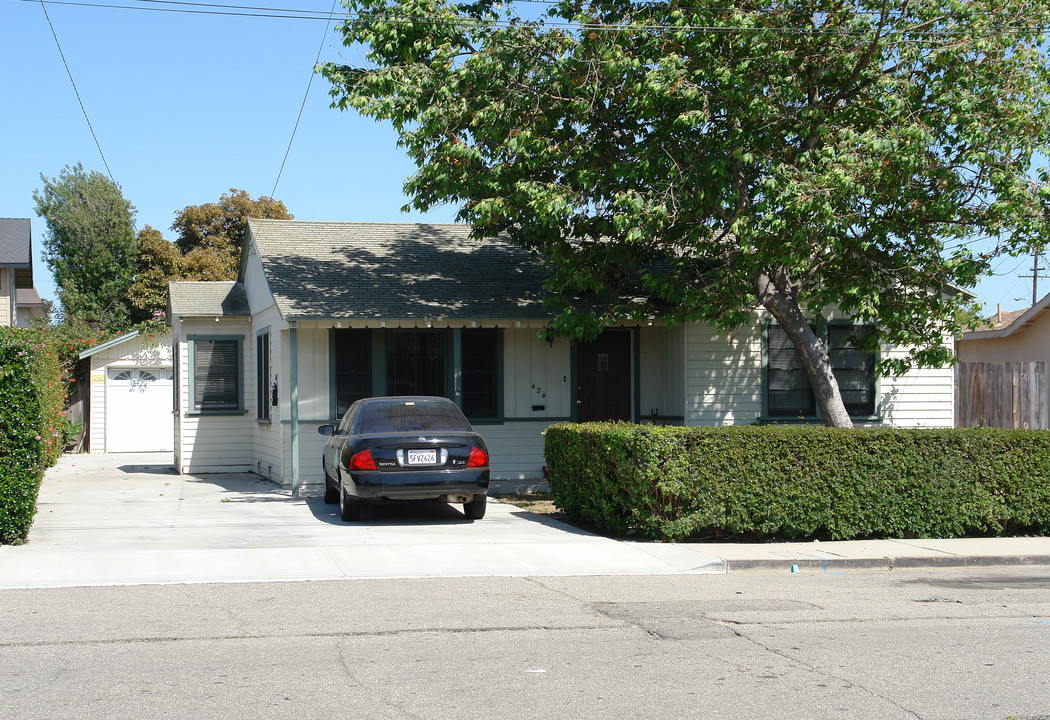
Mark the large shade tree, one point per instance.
(707, 157)
(89, 245)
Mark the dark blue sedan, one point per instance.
(404, 448)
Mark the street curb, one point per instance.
(884, 563)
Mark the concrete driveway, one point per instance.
(130, 519)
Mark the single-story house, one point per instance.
(323, 313)
(130, 394)
(19, 300)
(1005, 366)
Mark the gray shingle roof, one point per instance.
(206, 299)
(15, 242)
(320, 270)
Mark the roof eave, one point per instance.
(84, 354)
(1017, 325)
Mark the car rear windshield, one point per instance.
(410, 417)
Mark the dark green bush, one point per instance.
(794, 483)
(31, 397)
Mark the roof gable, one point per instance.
(324, 270)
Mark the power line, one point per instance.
(309, 84)
(76, 91)
(192, 8)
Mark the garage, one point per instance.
(131, 395)
(138, 410)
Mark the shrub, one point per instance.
(794, 483)
(31, 397)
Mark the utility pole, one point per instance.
(1036, 254)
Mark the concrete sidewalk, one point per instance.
(129, 519)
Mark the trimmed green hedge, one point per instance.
(800, 483)
(31, 398)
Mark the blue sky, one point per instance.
(187, 106)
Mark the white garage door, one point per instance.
(138, 410)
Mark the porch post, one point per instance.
(293, 380)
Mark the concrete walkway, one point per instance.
(129, 519)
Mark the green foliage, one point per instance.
(158, 262)
(208, 247)
(798, 483)
(698, 160)
(31, 397)
(210, 236)
(89, 244)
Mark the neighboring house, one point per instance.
(19, 301)
(1003, 370)
(131, 393)
(325, 313)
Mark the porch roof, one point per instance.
(194, 298)
(358, 270)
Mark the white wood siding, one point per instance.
(723, 377)
(536, 373)
(7, 297)
(214, 443)
(919, 398)
(515, 449)
(661, 372)
(256, 287)
(267, 437)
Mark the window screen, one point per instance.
(854, 368)
(216, 375)
(353, 367)
(415, 363)
(788, 392)
(262, 375)
(480, 375)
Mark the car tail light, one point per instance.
(478, 457)
(363, 461)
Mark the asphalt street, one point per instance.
(955, 644)
(144, 594)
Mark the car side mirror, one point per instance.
(326, 430)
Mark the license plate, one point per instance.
(422, 457)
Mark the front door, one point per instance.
(603, 377)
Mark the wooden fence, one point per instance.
(1003, 395)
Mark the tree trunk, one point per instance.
(778, 295)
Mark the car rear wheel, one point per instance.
(475, 509)
(349, 506)
(331, 492)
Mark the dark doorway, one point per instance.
(603, 377)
